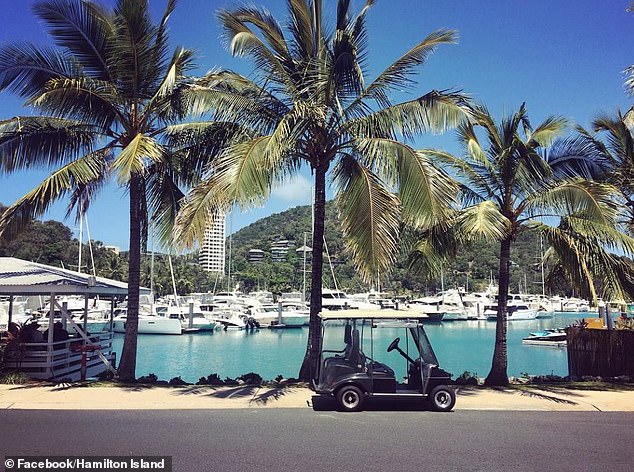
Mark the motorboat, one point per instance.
(227, 316)
(286, 313)
(294, 313)
(198, 322)
(547, 337)
(448, 303)
(148, 323)
(338, 300)
(515, 312)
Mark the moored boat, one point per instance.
(547, 337)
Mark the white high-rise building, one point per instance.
(212, 250)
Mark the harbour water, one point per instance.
(460, 346)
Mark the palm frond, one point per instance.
(482, 222)
(435, 112)
(232, 97)
(590, 200)
(80, 172)
(244, 42)
(370, 218)
(547, 131)
(132, 160)
(83, 98)
(196, 213)
(28, 141)
(83, 28)
(398, 75)
(26, 69)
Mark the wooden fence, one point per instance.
(600, 352)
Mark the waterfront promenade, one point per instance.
(143, 397)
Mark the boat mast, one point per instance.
(81, 238)
(541, 250)
(169, 258)
(92, 257)
(304, 271)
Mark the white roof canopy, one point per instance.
(389, 314)
(19, 277)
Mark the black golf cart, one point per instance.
(352, 374)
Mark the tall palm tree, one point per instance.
(105, 97)
(513, 176)
(309, 104)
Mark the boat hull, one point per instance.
(151, 326)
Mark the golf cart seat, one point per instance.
(355, 357)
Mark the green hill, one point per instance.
(476, 263)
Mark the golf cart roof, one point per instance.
(387, 314)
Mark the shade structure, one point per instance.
(19, 277)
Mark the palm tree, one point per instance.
(521, 178)
(309, 104)
(105, 97)
(613, 145)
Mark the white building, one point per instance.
(212, 249)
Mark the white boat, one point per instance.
(515, 312)
(448, 303)
(572, 305)
(286, 313)
(475, 303)
(148, 323)
(294, 313)
(199, 322)
(338, 300)
(19, 313)
(226, 315)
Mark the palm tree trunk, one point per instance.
(127, 365)
(309, 367)
(498, 375)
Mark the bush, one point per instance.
(148, 379)
(466, 378)
(251, 378)
(177, 381)
(211, 379)
(14, 378)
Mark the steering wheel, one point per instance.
(393, 345)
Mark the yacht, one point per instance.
(199, 322)
(448, 304)
(148, 323)
(515, 312)
(226, 315)
(337, 300)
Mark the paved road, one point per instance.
(304, 440)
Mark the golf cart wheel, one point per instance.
(350, 398)
(442, 398)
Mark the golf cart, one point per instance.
(352, 374)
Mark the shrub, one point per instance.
(148, 379)
(466, 378)
(177, 381)
(14, 378)
(251, 378)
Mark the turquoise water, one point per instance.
(460, 346)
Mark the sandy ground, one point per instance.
(98, 397)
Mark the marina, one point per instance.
(460, 346)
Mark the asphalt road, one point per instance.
(306, 440)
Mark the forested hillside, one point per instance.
(476, 263)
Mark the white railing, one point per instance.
(60, 360)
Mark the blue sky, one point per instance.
(562, 58)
